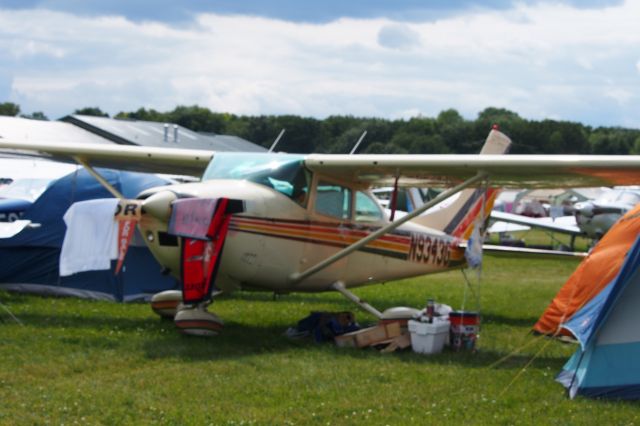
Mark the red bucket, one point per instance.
(464, 329)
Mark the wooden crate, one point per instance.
(369, 336)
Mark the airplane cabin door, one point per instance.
(328, 232)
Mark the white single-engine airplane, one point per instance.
(308, 223)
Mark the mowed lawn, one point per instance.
(88, 362)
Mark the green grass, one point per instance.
(88, 362)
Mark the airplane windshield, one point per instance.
(284, 173)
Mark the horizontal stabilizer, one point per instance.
(530, 253)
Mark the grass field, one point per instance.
(84, 362)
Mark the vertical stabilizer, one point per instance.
(456, 216)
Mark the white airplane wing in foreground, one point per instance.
(140, 159)
(412, 170)
(534, 171)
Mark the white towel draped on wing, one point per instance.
(90, 242)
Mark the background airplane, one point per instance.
(590, 218)
(26, 180)
(596, 217)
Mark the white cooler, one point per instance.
(428, 338)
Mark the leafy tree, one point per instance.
(612, 141)
(93, 111)
(449, 118)
(455, 132)
(37, 115)
(508, 122)
(419, 143)
(198, 119)
(337, 125)
(9, 109)
(303, 134)
(346, 141)
(421, 126)
(499, 116)
(636, 146)
(448, 132)
(382, 148)
(143, 114)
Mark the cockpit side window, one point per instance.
(333, 200)
(367, 210)
(300, 186)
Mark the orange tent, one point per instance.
(593, 274)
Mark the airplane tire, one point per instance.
(166, 303)
(198, 322)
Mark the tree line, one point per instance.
(446, 133)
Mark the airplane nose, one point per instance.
(583, 209)
(159, 205)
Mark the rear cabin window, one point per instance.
(333, 200)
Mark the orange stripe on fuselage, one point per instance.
(340, 235)
(329, 233)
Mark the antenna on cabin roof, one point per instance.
(273, 145)
(358, 143)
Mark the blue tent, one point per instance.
(607, 364)
(29, 260)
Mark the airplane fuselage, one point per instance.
(277, 236)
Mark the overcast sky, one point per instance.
(568, 60)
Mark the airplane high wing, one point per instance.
(515, 171)
(177, 161)
(373, 169)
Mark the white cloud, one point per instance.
(541, 61)
(621, 96)
(397, 36)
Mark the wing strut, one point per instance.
(299, 276)
(339, 286)
(98, 177)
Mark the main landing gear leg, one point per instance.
(339, 286)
